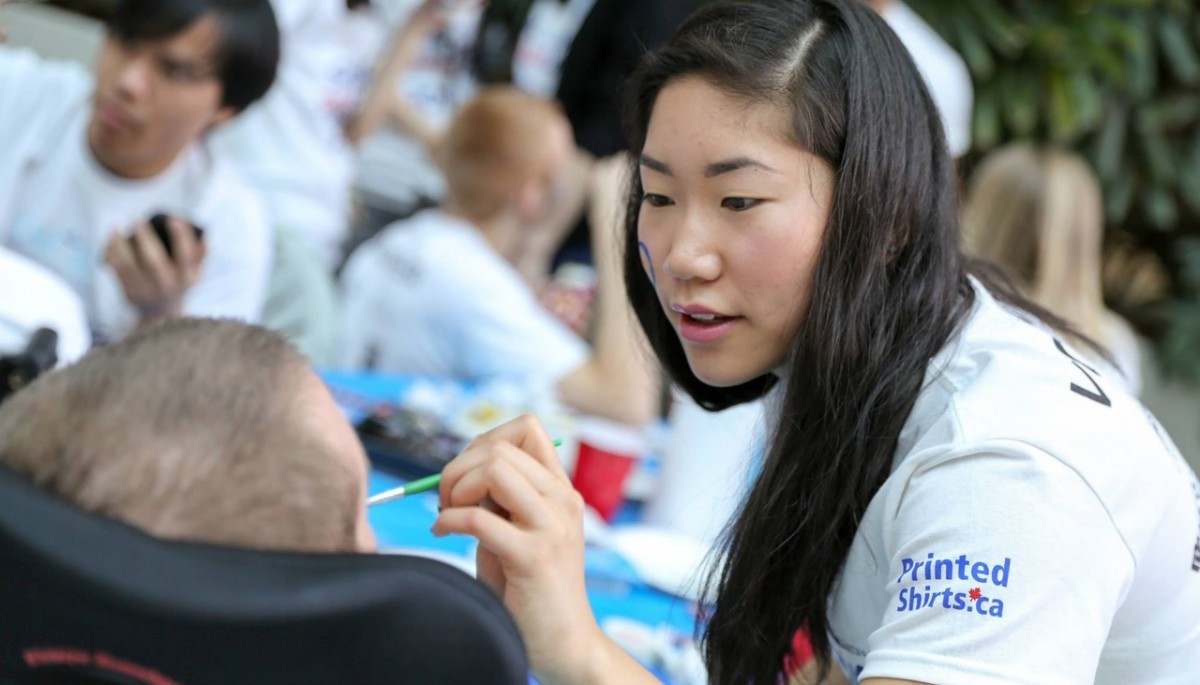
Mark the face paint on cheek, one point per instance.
(647, 262)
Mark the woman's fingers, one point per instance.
(493, 531)
(516, 485)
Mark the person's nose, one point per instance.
(693, 253)
(133, 80)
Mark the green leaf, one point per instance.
(1001, 30)
(1178, 50)
(973, 50)
(1021, 105)
(1143, 76)
(1118, 197)
(1155, 148)
(985, 119)
(1110, 143)
(1062, 109)
(1161, 209)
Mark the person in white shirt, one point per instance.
(53, 305)
(443, 293)
(950, 494)
(945, 72)
(89, 159)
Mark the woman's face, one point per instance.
(730, 227)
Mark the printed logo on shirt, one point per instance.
(971, 584)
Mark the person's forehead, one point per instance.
(197, 43)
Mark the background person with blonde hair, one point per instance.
(1038, 214)
(450, 291)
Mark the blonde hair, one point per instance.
(193, 429)
(495, 144)
(1038, 214)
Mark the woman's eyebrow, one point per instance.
(715, 169)
(655, 165)
(729, 165)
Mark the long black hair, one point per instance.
(889, 289)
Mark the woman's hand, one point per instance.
(508, 490)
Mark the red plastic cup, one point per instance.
(607, 454)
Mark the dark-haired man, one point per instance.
(88, 158)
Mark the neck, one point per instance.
(132, 170)
(499, 230)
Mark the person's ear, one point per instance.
(531, 200)
(222, 117)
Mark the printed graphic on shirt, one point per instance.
(954, 584)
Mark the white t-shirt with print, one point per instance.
(945, 73)
(393, 170)
(59, 206)
(31, 298)
(1037, 528)
(291, 143)
(429, 295)
(549, 30)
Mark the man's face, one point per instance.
(155, 98)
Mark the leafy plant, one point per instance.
(1119, 80)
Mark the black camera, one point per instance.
(19, 370)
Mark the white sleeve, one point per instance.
(502, 331)
(234, 277)
(1005, 569)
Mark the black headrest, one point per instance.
(88, 599)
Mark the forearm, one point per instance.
(605, 664)
(381, 101)
(620, 380)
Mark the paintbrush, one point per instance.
(417, 486)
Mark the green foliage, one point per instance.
(1119, 80)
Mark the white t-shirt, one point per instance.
(394, 170)
(547, 35)
(1037, 528)
(58, 205)
(291, 144)
(32, 298)
(945, 73)
(429, 295)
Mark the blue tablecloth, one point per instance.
(614, 587)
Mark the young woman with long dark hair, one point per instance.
(950, 495)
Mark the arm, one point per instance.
(509, 491)
(382, 104)
(620, 378)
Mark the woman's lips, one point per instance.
(706, 328)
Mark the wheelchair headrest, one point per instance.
(86, 599)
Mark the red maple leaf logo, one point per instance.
(975, 594)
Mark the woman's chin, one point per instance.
(724, 376)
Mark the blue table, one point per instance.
(614, 587)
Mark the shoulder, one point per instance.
(31, 85)
(1009, 389)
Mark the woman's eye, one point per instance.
(739, 204)
(656, 200)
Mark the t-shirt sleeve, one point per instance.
(1005, 569)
